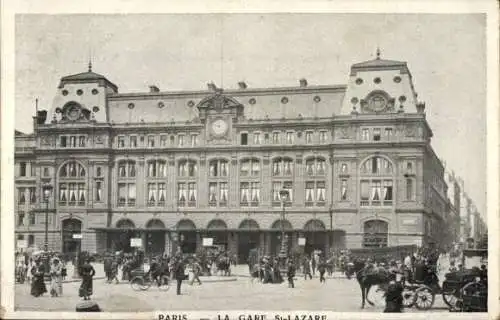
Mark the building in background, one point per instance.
(453, 224)
(172, 168)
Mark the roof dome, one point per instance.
(88, 76)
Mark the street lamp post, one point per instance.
(47, 190)
(284, 194)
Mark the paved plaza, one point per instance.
(338, 294)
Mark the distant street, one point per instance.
(338, 295)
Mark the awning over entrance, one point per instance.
(248, 225)
(114, 229)
(217, 225)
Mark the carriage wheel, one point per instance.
(136, 283)
(450, 299)
(409, 297)
(164, 283)
(424, 298)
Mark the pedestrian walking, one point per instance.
(179, 271)
(307, 269)
(56, 278)
(313, 263)
(393, 296)
(87, 273)
(322, 271)
(107, 268)
(114, 271)
(195, 266)
(290, 274)
(38, 287)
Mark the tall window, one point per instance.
(133, 141)
(126, 169)
(249, 194)
(72, 186)
(376, 134)
(309, 137)
(126, 194)
(22, 169)
(365, 134)
(282, 167)
(20, 219)
(257, 138)
(21, 195)
(377, 181)
(250, 167)
(290, 137)
(388, 133)
(151, 141)
(98, 191)
(163, 140)
(194, 140)
(32, 194)
(218, 168)
(409, 189)
(218, 194)
(156, 194)
(121, 142)
(187, 194)
(187, 168)
(316, 167)
(46, 171)
(33, 170)
(322, 136)
(218, 183)
(276, 138)
(181, 140)
(156, 169)
(315, 193)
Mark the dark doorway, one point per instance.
(246, 242)
(70, 227)
(155, 237)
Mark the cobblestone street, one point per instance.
(337, 294)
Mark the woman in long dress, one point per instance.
(56, 278)
(87, 273)
(37, 285)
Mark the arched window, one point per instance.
(187, 168)
(187, 192)
(72, 184)
(157, 169)
(126, 183)
(375, 234)
(282, 167)
(250, 185)
(218, 168)
(250, 167)
(316, 167)
(376, 182)
(218, 185)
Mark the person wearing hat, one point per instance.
(290, 273)
(38, 287)
(56, 278)
(87, 273)
(393, 295)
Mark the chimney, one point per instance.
(303, 82)
(242, 85)
(421, 107)
(41, 116)
(153, 89)
(211, 86)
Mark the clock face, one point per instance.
(377, 103)
(219, 127)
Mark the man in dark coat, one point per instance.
(394, 296)
(322, 270)
(290, 274)
(179, 274)
(38, 287)
(107, 267)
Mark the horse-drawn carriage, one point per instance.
(464, 290)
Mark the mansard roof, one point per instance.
(88, 76)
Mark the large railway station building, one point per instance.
(173, 168)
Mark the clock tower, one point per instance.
(218, 112)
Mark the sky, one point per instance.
(446, 54)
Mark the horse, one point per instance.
(368, 278)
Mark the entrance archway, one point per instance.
(276, 235)
(121, 239)
(248, 239)
(375, 234)
(187, 236)
(69, 228)
(217, 230)
(314, 232)
(155, 237)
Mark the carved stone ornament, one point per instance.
(410, 131)
(46, 141)
(99, 139)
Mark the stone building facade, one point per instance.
(173, 168)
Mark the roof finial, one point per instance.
(90, 65)
(378, 53)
